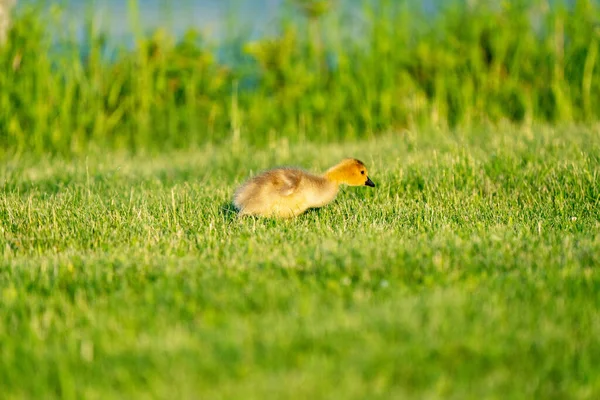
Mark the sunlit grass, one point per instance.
(470, 271)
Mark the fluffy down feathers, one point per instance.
(287, 192)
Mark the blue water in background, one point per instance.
(210, 17)
(225, 24)
(213, 18)
(222, 23)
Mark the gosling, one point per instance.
(287, 192)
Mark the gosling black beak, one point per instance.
(369, 182)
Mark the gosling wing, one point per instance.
(287, 181)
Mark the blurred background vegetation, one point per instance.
(326, 72)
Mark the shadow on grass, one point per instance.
(228, 211)
(311, 213)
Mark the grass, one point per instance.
(470, 271)
(330, 74)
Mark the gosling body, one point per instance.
(288, 192)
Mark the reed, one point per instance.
(326, 76)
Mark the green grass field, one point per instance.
(470, 271)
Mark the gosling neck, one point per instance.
(334, 176)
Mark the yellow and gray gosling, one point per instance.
(288, 192)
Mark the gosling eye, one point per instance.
(362, 172)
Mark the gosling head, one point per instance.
(350, 172)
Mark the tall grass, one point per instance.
(327, 76)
